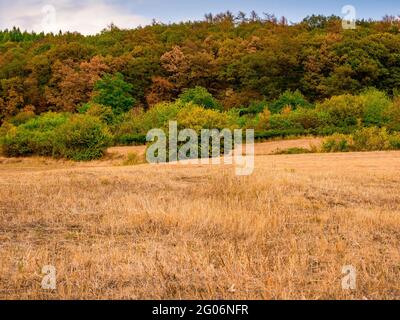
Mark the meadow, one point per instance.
(200, 232)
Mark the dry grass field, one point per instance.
(200, 232)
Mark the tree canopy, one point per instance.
(239, 59)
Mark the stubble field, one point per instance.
(200, 232)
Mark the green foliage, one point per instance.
(394, 141)
(133, 128)
(337, 143)
(81, 138)
(309, 118)
(201, 97)
(114, 92)
(376, 105)
(104, 113)
(288, 98)
(198, 118)
(77, 137)
(35, 137)
(365, 139)
(254, 108)
(371, 139)
(393, 115)
(160, 115)
(344, 111)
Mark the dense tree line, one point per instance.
(240, 59)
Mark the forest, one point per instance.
(69, 95)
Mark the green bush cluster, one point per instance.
(365, 139)
(76, 137)
(201, 97)
(81, 138)
(365, 122)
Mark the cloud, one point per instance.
(86, 17)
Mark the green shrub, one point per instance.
(160, 115)
(309, 118)
(254, 108)
(344, 110)
(371, 139)
(35, 137)
(393, 115)
(365, 139)
(288, 98)
(104, 113)
(283, 122)
(82, 138)
(376, 105)
(198, 118)
(337, 143)
(201, 97)
(394, 141)
(134, 125)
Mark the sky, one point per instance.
(91, 16)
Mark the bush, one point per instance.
(201, 97)
(160, 115)
(292, 99)
(394, 141)
(376, 105)
(104, 113)
(263, 120)
(134, 125)
(344, 110)
(33, 137)
(254, 108)
(366, 139)
(283, 122)
(337, 143)
(309, 118)
(78, 137)
(371, 139)
(393, 115)
(198, 118)
(82, 138)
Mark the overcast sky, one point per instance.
(91, 16)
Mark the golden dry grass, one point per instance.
(200, 232)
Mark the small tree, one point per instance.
(114, 92)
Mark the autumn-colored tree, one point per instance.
(239, 58)
(160, 90)
(72, 84)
